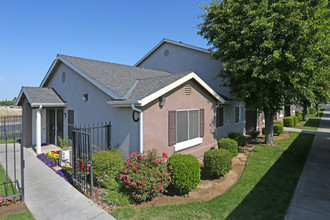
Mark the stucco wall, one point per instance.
(155, 119)
(229, 121)
(180, 59)
(26, 123)
(124, 130)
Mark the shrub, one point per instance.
(116, 193)
(238, 137)
(299, 117)
(185, 172)
(254, 134)
(145, 180)
(217, 162)
(311, 110)
(228, 144)
(107, 161)
(297, 112)
(288, 121)
(278, 127)
(295, 120)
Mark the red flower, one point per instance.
(170, 167)
(140, 157)
(132, 154)
(165, 155)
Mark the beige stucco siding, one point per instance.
(155, 119)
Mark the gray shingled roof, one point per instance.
(146, 87)
(116, 77)
(42, 96)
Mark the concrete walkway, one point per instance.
(49, 196)
(311, 199)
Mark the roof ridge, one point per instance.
(106, 62)
(175, 74)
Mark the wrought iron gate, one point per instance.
(82, 167)
(11, 159)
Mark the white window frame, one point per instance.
(190, 142)
(223, 116)
(240, 116)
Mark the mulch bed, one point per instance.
(13, 208)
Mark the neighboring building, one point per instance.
(174, 57)
(147, 108)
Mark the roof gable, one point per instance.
(37, 96)
(173, 43)
(116, 80)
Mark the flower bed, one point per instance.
(50, 158)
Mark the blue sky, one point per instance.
(34, 32)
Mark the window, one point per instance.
(187, 124)
(185, 128)
(220, 116)
(239, 112)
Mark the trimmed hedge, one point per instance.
(228, 144)
(311, 110)
(238, 137)
(296, 120)
(217, 162)
(185, 172)
(299, 117)
(107, 161)
(278, 127)
(298, 112)
(288, 121)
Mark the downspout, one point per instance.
(38, 130)
(141, 126)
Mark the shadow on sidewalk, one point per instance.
(271, 196)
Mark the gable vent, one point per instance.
(187, 90)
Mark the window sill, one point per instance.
(187, 144)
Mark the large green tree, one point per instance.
(263, 47)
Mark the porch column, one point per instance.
(38, 130)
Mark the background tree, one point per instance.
(257, 42)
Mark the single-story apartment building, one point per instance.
(147, 108)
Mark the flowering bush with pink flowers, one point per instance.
(146, 176)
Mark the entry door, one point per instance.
(51, 130)
(59, 123)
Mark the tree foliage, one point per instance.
(272, 51)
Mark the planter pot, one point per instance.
(65, 157)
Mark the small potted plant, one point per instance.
(65, 152)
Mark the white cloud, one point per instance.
(2, 79)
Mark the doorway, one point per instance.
(54, 121)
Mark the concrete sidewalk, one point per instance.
(311, 199)
(49, 196)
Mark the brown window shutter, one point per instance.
(201, 122)
(171, 128)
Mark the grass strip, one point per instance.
(26, 215)
(312, 123)
(263, 192)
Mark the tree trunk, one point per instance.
(269, 132)
(305, 112)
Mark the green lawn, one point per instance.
(3, 184)
(25, 215)
(20, 215)
(312, 123)
(263, 192)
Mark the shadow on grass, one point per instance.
(271, 196)
(312, 122)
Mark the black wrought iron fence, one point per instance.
(11, 159)
(100, 134)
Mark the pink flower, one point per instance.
(165, 155)
(170, 167)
